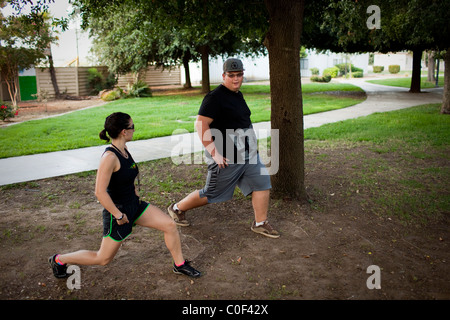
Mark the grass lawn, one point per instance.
(419, 126)
(405, 165)
(153, 117)
(406, 82)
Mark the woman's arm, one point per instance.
(108, 164)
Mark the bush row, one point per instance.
(333, 72)
(394, 68)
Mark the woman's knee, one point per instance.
(171, 226)
(103, 261)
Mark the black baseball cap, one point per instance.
(233, 64)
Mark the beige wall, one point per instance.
(71, 80)
(153, 77)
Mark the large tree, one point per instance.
(283, 43)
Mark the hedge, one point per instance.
(378, 69)
(394, 68)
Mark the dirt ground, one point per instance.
(324, 251)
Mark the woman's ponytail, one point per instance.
(103, 135)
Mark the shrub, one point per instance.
(342, 66)
(357, 74)
(314, 71)
(7, 111)
(394, 68)
(95, 80)
(333, 72)
(110, 95)
(139, 89)
(378, 69)
(110, 81)
(325, 78)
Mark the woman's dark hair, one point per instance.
(114, 124)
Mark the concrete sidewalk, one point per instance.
(52, 164)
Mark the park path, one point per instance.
(46, 165)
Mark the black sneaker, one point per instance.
(59, 271)
(186, 269)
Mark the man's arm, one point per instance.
(204, 131)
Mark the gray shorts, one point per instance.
(220, 183)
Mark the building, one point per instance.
(258, 68)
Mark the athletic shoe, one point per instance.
(266, 230)
(59, 271)
(178, 216)
(186, 269)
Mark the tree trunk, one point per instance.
(11, 76)
(186, 59)
(415, 79)
(53, 76)
(446, 96)
(431, 67)
(204, 51)
(283, 44)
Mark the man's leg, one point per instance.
(260, 201)
(193, 200)
(177, 210)
(260, 198)
(219, 187)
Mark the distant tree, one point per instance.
(130, 35)
(414, 25)
(25, 40)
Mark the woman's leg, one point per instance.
(153, 217)
(103, 256)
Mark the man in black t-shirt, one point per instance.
(225, 129)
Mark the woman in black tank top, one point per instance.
(116, 191)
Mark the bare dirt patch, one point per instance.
(30, 110)
(324, 251)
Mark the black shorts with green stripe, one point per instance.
(133, 210)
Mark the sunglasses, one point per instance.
(130, 128)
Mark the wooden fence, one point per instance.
(71, 80)
(74, 81)
(153, 77)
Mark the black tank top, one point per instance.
(121, 187)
